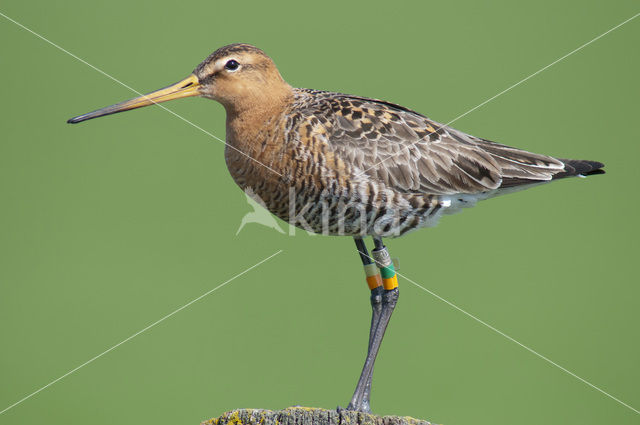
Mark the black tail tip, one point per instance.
(574, 167)
(594, 172)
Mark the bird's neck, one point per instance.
(255, 134)
(248, 117)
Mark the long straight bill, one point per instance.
(188, 87)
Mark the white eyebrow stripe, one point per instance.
(220, 63)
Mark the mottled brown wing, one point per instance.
(411, 153)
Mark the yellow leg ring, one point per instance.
(390, 283)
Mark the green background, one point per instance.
(110, 225)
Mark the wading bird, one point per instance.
(348, 165)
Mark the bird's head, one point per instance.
(239, 76)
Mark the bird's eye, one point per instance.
(231, 65)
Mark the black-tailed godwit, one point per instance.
(347, 165)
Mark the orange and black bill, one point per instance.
(188, 87)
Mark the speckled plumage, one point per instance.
(373, 167)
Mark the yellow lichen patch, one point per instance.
(234, 418)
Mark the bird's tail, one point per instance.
(579, 167)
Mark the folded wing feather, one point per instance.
(411, 153)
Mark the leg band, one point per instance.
(373, 276)
(389, 277)
(387, 271)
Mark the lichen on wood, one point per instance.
(308, 416)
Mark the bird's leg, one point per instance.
(384, 295)
(374, 281)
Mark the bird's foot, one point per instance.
(364, 408)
